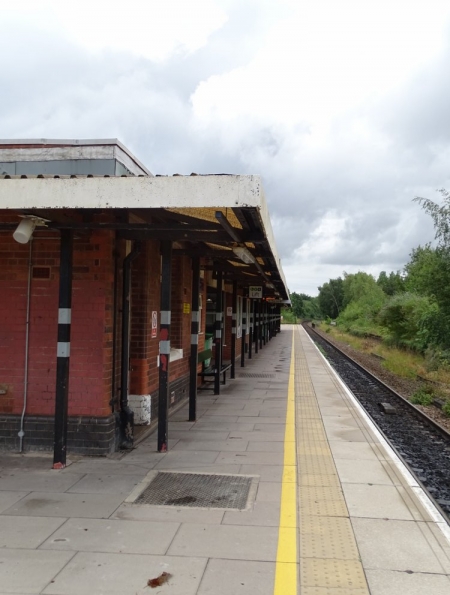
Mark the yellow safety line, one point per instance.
(286, 569)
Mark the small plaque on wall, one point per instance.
(154, 324)
(186, 308)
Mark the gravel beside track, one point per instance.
(403, 386)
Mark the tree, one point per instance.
(357, 285)
(363, 299)
(331, 297)
(392, 284)
(311, 307)
(297, 305)
(440, 215)
(407, 316)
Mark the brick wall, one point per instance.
(91, 340)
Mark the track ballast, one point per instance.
(423, 446)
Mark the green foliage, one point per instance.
(405, 316)
(311, 309)
(440, 215)
(423, 396)
(360, 285)
(288, 316)
(331, 297)
(394, 283)
(297, 305)
(436, 358)
(363, 299)
(446, 408)
(428, 274)
(427, 271)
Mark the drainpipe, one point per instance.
(21, 433)
(126, 414)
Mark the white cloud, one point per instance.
(148, 28)
(341, 106)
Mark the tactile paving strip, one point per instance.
(329, 557)
(197, 490)
(327, 537)
(341, 574)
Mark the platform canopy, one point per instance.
(223, 218)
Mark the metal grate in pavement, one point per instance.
(198, 490)
(254, 375)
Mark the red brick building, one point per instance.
(115, 285)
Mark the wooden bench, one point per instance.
(209, 371)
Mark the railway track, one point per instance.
(422, 444)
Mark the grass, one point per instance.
(403, 363)
(423, 396)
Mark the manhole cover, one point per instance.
(198, 490)
(250, 375)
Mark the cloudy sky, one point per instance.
(341, 106)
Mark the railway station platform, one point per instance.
(331, 510)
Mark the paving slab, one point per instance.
(264, 419)
(106, 484)
(138, 512)
(268, 492)
(185, 460)
(212, 445)
(265, 472)
(226, 577)
(23, 532)
(395, 545)
(388, 582)
(66, 505)
(8, 499)
(223, 426)
(114, 536)
(257, 436)
(250, 458)
(226, 541)
(364, 451)
(115, 574)
(376, 501)
(106, 466)
(262, 513)
(37, 481)
(29, 571)
(263, 446)
(198, 435)
(362, 471)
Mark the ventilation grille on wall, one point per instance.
(41, 272)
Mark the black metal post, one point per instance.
(164, 345)
(264, 306)
(194, 338)
(63, 350)
(261, 327)
(251, 327)
(126, 413)
(218, 337)
(244, 331)
(257, 328)
(233, 330)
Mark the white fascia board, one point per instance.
(214, 191)
(132, 192)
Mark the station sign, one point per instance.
(255, 291)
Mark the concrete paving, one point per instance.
(361, 525)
